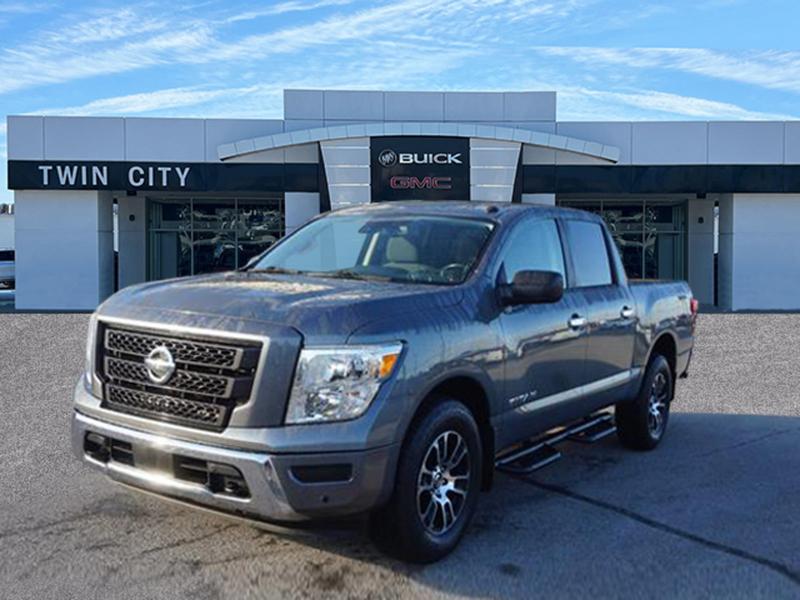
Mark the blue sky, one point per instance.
(608, 59)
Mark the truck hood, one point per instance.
(320, 308)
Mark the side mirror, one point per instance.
(533, 287)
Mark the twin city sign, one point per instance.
(419, 168)
(154, 176)
(96, 176)
(99, 175)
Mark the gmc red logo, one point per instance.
(403, 182)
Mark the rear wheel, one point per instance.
(641, 423)
(436, 489)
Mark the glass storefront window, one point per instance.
(170, 254)
(212, 214)
(630, 250)
(189, 236)
(623, 218)
(663, 256)
(650, 234)
(170, 214)
(214, 251)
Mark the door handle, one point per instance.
(627, 312)
(577, 322)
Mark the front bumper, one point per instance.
(276, 491)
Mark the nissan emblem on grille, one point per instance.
(160, 365)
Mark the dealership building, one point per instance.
(102, 203)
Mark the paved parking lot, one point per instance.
(715, 511)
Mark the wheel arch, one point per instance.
(470, 391)
(665, 345)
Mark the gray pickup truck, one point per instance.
(383, 359)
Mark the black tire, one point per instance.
(637, 426)
(398, 528)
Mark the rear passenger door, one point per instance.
(610, 310)
(544, 352)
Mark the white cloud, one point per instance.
(769, 69)
(392, 18)
(264, 100)
(108, 26)
(159, 100)
(583, 103)
(41, 63)
(99, 45)
(285, 7)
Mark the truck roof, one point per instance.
(496, 211)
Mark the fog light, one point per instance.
(96, 446)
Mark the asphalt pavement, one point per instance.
(713, 512)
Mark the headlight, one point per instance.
(91, 337)
(334, 384)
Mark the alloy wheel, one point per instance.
(657, 406)
(443, 482)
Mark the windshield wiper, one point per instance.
(349, 274)
(276, 270)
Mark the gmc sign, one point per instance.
(401, 182)
(419, 168)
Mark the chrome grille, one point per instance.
(198, 383)
(182, 350)
(209, 380)
(177, 410)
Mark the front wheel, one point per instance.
(642, 422)
(436, 489)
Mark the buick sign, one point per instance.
(389, 158)
(419, 168)
(428, 158)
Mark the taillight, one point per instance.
(694, 305)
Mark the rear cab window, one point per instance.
(587, 246)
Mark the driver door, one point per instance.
(545, 354)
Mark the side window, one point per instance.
(534, 245)
(587, 245)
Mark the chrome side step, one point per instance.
(601, 427)
(539, 452)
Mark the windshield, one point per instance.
(418, 249)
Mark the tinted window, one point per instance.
(534, 246)
(590, 255)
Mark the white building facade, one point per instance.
(201, 195)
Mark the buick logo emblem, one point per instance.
(387, 158)
(160, 365)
